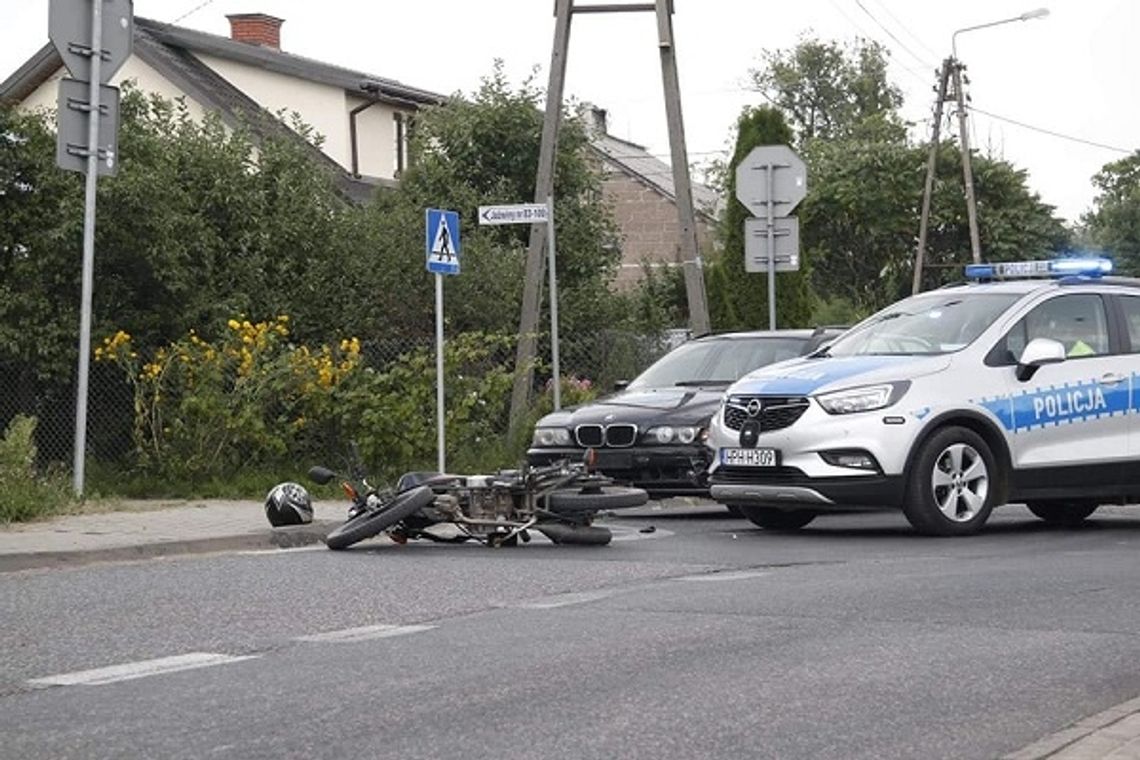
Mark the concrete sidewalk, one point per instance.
(149, 529)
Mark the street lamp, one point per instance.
(952, 70)
(967, 169)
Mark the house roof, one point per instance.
(635, 161)
(173, 51)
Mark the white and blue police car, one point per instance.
(1021, 384)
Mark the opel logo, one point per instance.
(754, 407)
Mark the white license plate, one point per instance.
(748, 457)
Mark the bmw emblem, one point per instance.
(754, 407)
(609, 418)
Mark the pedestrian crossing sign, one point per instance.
(442, 239)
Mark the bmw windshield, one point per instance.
(717, 361)
(926, 324)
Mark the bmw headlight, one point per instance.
(545, 437)
(865, 399)
(684, 434)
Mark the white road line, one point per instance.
(561, 600)
(140, 669)
(364, 633)
(738, 575)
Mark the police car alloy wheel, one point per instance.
(949, 491)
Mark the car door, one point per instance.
(1130, 310)
(1070, 420)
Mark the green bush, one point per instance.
(25, 492)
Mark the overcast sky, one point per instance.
(1075, 73)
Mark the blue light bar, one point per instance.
(1014, 270)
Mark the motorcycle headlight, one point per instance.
(550, 436)
(685, 434)
(865, 399)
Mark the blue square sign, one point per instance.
(442, 238)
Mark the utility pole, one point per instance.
(931, 164)
(967, 170)
(544, 186)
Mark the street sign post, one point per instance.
(532, 213)
(94, 38)
(441, 242)
(770, 181)
(71, 27)
(786, 237)
(74, 115)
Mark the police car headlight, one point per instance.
(550, 436)
(685, 434)
(864, 399)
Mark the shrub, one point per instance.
(25, 492)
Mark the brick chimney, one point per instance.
(256, 29)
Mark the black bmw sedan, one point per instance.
(651, 432)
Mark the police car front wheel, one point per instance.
(951, 488)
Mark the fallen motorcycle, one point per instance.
(559, 500)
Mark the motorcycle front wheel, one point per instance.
(368, 523)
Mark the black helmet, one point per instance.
(288, 504)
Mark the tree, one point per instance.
(739, 299)
(830, 91)
(1114, 222)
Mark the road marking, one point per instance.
(561, 600)
(140, 669)
(736, 575)
(280, 551)
(364, 633)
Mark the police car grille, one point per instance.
(615, 436)
(777, 412)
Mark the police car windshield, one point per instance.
(926, 324)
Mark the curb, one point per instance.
(1096, 736)
(275, 538)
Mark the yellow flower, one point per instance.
(233, 324)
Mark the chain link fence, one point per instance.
(602, 357)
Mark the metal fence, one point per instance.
(603, 357)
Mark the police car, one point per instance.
(1019, 385)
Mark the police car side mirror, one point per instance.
(1039, 352)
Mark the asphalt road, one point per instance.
(705, 638)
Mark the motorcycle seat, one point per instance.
(410, 480)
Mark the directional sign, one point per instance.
(71, 142)
(786, 238)
(442, 240)
(519, 213)
(788, 180)
(69, 28)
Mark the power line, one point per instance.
(891, 34)
(192, 11)
(904, 27)
(872, 37)
(1052, 133)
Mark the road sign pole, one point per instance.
(553, 304)
(440, 459)
(88, 249)
(771, 204)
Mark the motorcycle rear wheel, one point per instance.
(574, 500)
(368, 524)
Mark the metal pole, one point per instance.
(931, 165)
(771, 204)
(553, 304)
(967, 170)
(440, 460)
(79, 463)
